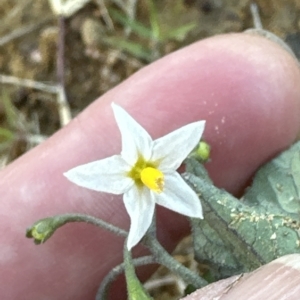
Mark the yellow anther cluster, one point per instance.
(153, 179)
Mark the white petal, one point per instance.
(174, 147)
(135, 139)
(140, 206)
(178, 196)
(106, 175)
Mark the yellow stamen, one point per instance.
(153, 179)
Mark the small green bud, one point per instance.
(203, 151)
(42, 230)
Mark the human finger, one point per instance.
(244, 86)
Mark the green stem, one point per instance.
(116, 271)
(43, 229)
(67, 218)
(164, 258)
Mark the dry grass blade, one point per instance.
(63, 106)
(19, 32)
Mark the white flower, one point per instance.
(67, 8)
(145, 173)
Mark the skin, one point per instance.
(246, 88)
(277, 280)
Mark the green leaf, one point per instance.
(10, 111)
(137, 50)
(136, 26)
(180, 33)
(240, 235)
(5, 135)
(156, 34)
(276, 186)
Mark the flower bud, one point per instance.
(203, 151)
(42, 230)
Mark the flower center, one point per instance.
(153, 179)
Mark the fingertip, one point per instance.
(279, 279)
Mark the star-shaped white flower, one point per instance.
(145, 173)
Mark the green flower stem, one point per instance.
(43, 229)
(164, 258)
(116, 271)
(67, 218)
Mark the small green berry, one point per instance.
(202, 152)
